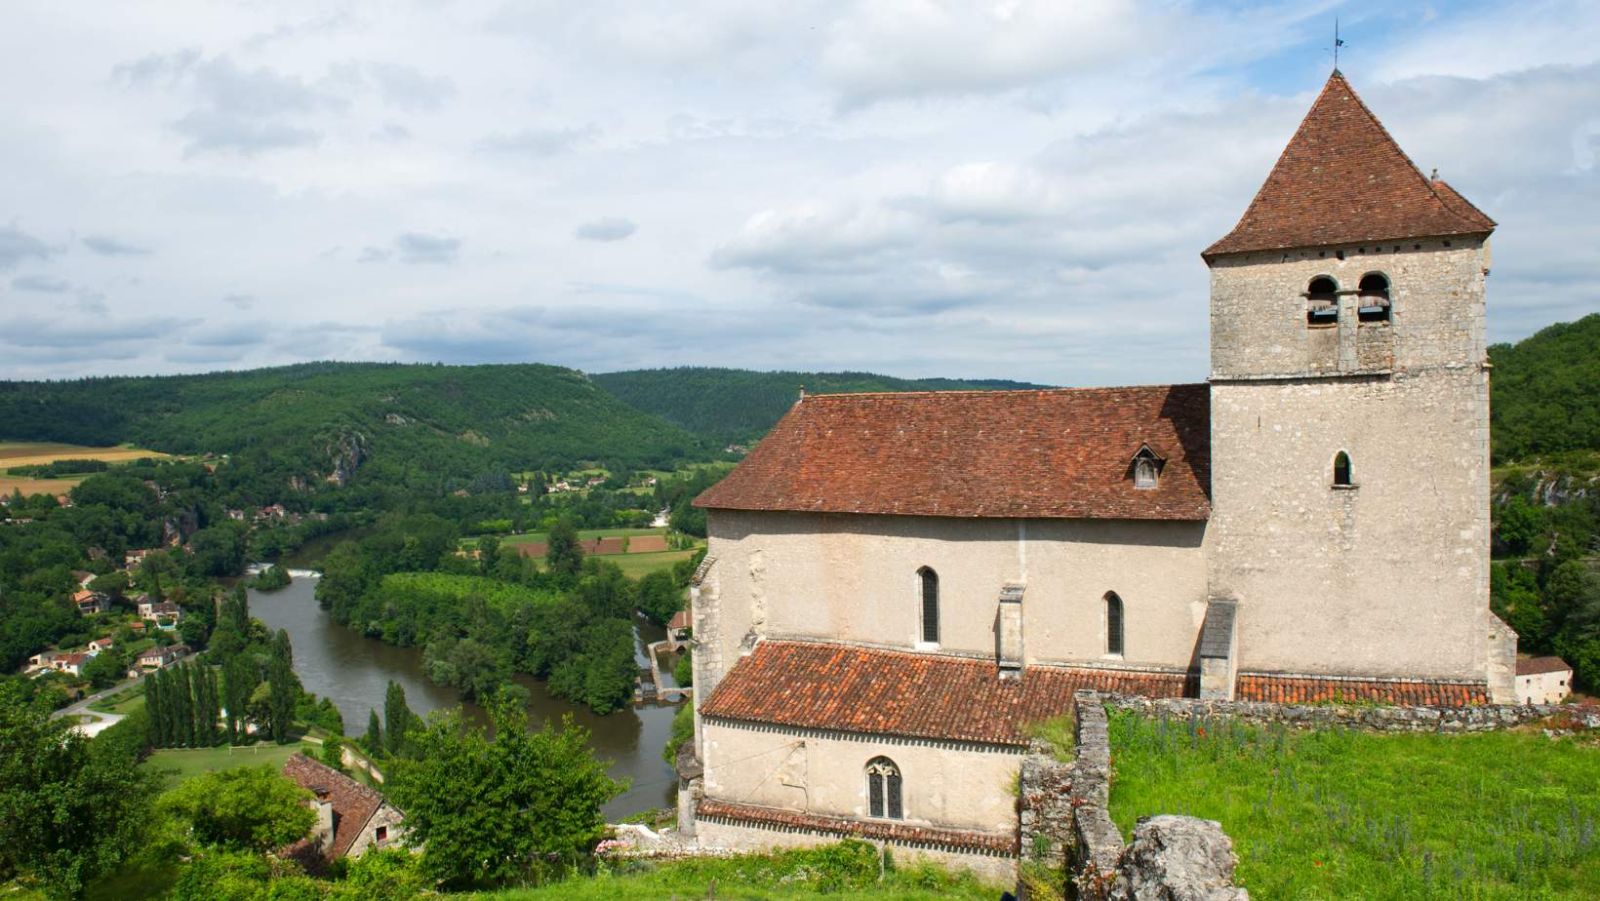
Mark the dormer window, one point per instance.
(1322, 302)
(1373, 298)
(1146, 468)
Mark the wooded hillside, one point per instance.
(740, 405)
(424, 426)
(1546, 391)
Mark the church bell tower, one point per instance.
(1350, 415)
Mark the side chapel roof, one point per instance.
(813, 685)
(1058, 453)
(1343, 180)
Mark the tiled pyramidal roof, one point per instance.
(1060, 453)
(1344, 180)
(850, 689)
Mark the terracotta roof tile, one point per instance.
(1534, 666)
(353, 803)
(915, 695)
(1404, 692)
(1060, 453)
(1343, 180)
(881, 830)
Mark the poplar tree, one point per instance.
(155, 720)
(280, 688)
(239, 680)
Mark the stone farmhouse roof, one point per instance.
(1538, 666)
(843, 688)
(353, 803)
(1057, 453)
(1343, 180)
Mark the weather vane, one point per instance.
(1337, 43)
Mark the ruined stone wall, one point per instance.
(1389, 577)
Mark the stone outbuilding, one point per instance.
(351, 818)
(1543, 680)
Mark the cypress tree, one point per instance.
(396, 717)
(374, 739)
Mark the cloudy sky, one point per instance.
(1006, 189)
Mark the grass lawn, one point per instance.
(636, 565)
(845, 870)
(1343, 814)
(123, 702)
(188, 763)
(583, 535)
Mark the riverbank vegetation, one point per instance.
(1342, 814)
(482, 617)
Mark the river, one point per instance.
(354, 671)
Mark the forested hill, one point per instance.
(1546, 392)
(740, 404)
(420, 426)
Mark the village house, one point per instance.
(101, 644)
(44, 661)
(678, 630)
(1543, 680)
(72, 663)
(90, 602)
(897, 584)
(351, 818)
(156, 658)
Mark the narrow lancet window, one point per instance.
(1341, 470)
(1322, 301)
(883, 789)
(1114, 642)
(930, 605)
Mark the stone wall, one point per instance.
(1371, 718)
(1065, 821)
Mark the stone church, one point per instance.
(897, 584)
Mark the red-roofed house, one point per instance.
(897, 583)
(90, 602)
(351, 817)
(1543, 680)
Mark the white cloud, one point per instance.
(1022, 186)
(610, 228)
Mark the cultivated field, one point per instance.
(29, 453)
(32, 453)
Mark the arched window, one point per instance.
(1113, 623)
(1341, 469)
(1322, 301)
(883, 789)
(1373, 298)
(930, 605)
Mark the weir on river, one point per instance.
(354, 671)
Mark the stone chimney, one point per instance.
(322, 833)
(1008, 631)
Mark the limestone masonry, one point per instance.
(897, 585)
